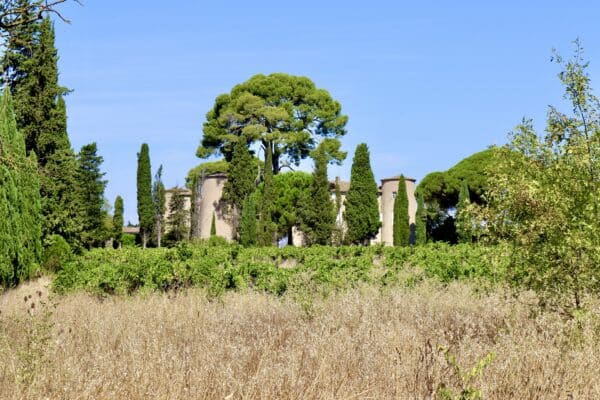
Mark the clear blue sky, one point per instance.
(424, 83)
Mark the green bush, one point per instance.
(128, 239)
(56, 252)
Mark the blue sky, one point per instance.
(424, 83)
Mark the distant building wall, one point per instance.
(210, 195)
(187, 202)
(389, 189)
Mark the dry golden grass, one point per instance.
(360, 344)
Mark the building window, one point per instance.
(394, 195)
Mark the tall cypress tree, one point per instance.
(421, 222)
(158, 201)
(177, 220)
(401, 221)
(145, 207)
(118, 221)
(362, 209)
(266, 227)
(240, 179)
(20, 230)
(318, 211)
(91, 196)
(463, 220)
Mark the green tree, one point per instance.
(213, 225)
(177, 220)
(118, 221)
(463, 218)
(421, 222)
(90, 192)
(158, 202)
(317, 213)
(545, 197)
(286, 113)
(241, 180)
(266, 227)
(290, 188)
(145, 208)
(362, 210)
(20, 230)
(401, 220)
(248, 226)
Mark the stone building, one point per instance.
(207, 202)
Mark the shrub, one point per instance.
(56, 253)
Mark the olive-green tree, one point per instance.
(20, 230)
(158, 202)
(421, 222)
(90, 193)
(463, 219)
(145, 207)
(266, 227)
(362, 210)
(401, 227)
(248, 223)
(546, 194)
(118, 221)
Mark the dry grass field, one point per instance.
(362, 344)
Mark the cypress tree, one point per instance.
(248, 222)
(91, 196)
(463, 221)
(145, 207)
(401, 220)
(240, 179)
(266, 227)
(118, 221)
(318, 211)
(178, 216)
(213, 225)
(158, 201)
(421, 222)
(362, 209)
(20, 230)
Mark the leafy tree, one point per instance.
(177, 220)
(317, 213)
(145, 206)
(118, 221)
(248, 225)
(158, 202)
(463, 219)
(362, 210)
(290, 188)
(545, 197)
(421, 222)
(20, 230)
(17, 14)
(285, 113)
(401, 220)
(91, 195)
(207, 168)
(266, 227)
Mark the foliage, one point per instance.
(178, 217)
(128, 239)
(463, 219)
(421, 222)
(213, 225)
(220, 267)
(159, 207)
(118, 221)
(145, 207)
(401, 225)
(56, 252)
(91, 196)
(290, 189)
(545, 197)
(440, 191)
(361, 208)
(317, 211)
(284, 112)
(20, 230)
(206, 168)
(464, 378)
(266, 227)
(248, 222)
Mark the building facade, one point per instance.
(206, 202)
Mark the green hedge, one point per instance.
(221, 268)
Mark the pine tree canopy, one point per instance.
(288, 112)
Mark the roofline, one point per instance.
(397, 178)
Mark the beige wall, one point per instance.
(388, 188)
(210, 197)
